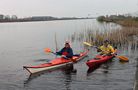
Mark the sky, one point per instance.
(67, 8)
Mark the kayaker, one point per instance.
(66, 51)
(106, 49)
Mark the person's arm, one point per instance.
(99, 49)
(60, 52)
(115, 52)
(112, 50)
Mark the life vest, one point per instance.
(107, 50)
(65, 53)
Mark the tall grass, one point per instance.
(117, 37)
(128, 23)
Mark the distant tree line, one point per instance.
(113, 18)
(124, 20)
(14, 18)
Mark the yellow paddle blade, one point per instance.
(86, 43)
(48, 50)
(123, 58)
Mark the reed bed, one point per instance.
(119, 37)
(128, 23)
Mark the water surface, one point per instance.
(24, 44)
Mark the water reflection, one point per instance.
(67, 72)
(68, 78)
(42, 60)
(90, 70)
(105, 66)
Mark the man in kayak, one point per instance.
(106, 49)
(66, 52)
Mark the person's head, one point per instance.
(105, 43)
(67, 44)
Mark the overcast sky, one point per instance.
(61, 8)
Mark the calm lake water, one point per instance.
(24, 43)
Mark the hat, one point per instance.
(67, 42)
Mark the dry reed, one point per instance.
(116, 37)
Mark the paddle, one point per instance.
(86, 43)
(56, 44)
(48, 50)
(122, 58)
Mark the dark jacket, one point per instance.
(68, 52)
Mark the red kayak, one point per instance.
(98, 60)
(56, 63)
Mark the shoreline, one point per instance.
(125, 21)
(21, 20)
